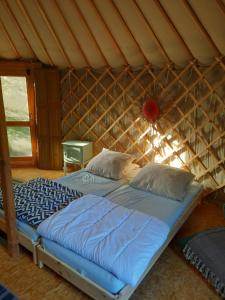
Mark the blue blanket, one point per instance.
(37, 199)
(120, 240)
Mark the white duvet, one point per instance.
(120, 240)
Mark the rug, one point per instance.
(206, 251)
(5, 294)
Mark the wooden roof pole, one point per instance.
(34, 31)
(95, 8)
(155, 37)
(53, 33)
(106, 61)
(173, 28)
(85, 58)
(13, 17)
(201, 26)
(128, 30)
(6, 179)
(16, 52)
(221, 5)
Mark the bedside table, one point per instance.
(76, 152)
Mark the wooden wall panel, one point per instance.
(47, 84)
(104, 106)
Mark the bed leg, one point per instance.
(40, 264)
(35, 253)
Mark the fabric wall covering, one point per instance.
(115, 33)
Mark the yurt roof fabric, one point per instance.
(97, 33)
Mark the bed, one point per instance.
(82, 181)
(89, 183)
(93, 279)
(27, 235)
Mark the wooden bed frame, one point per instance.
(23, 239)
(92, 289)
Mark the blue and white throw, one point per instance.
(37, 199)
(120, 240)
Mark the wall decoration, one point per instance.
(151, 110)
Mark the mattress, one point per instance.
(89, 183)
(26, 229)
(85, 267)
(167, 210)
(82, 181)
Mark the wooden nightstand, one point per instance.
(76, 152)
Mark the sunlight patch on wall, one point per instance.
(163, 153)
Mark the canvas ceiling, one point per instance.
(97, 33)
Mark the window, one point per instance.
(18, 98)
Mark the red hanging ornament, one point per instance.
(151, 110)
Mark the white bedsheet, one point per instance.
(118, 239)
(89, 183)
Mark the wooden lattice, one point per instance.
(104, 106)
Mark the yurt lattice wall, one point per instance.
(104, 106)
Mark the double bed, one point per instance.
(95, 280)
(90, 277)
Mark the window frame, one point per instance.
(24, 70)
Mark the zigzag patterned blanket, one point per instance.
(37, 199)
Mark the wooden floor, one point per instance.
(29, 282)
(30, 173)
(171, 278)
(205, 216)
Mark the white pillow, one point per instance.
(110, 164)
(163, 180)
(131, 171)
